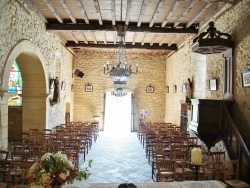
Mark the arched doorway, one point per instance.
(34, 93)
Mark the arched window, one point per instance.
(15, 86)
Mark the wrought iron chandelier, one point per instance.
(120, 72)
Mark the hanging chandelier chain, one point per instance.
(120, 72)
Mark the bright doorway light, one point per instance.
(117, 114)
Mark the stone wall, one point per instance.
(151, 71)
(236, 21)
(23, 31)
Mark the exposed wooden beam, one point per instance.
(84, 38)
(53, 10)
(153, 40)
(94, 38)
(113, 11)
(198, 14)
(80, 4)
(65, 6)
(134, 37)
(163, 40)
(157, 10)
(129, 6)
(144, 38)
(170, 13)
(219, 6)
(187, 10)
(105, 38)
(98, 11)
(35, 9)
(142, 12)
(108, 27)
(128, 46)
(115, 37)
(74, 37)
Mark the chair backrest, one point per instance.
(217, 155)
(4, 154)
(230, 169)
(165, 168)
(5, 170)
(21, 170)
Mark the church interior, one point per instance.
(98, 78)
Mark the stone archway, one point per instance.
(35, 90)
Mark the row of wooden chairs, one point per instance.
(168, 150)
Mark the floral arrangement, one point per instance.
(55, 170)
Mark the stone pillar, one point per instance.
(4, 119)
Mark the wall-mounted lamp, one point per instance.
(248, 67)
(72, 87)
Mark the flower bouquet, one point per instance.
(54, 170)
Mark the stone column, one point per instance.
(4, 119)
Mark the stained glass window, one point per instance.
(15, 86)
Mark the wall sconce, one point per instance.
(248, 67)
(72, 87)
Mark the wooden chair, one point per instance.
(156, 155)
(183, 170)
(217, 155)
(5, 170)
(231, 174)
(165, 170)
(21, 170)
(4, 154)
(211, 170)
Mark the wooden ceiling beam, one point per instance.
(170, 13)
(172, 47)
(142, 12)
(198, 14)
(157, 11)
(108, 27)
(53, 10)
(98, 11)
(80, 4)
(187, 10)
(113, 12)
(129, 7)
(65, 6)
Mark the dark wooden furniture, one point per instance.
(206, 120)
(211, 121)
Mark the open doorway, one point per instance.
(118, 114)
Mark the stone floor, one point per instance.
(118, 158)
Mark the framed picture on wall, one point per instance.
(245, 79)
(167, 89)
(89, 88)
(150, 89)
(212, 85)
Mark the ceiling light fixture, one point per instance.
(120, 72)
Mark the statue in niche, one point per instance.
(189, 86)
(56, 95)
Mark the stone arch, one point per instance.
(35, 86)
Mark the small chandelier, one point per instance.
(119, 92)
(120, 72)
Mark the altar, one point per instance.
(183, 184)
